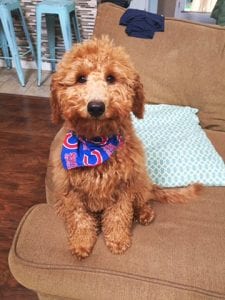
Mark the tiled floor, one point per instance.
(9, 83)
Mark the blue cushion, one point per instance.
(177, 149)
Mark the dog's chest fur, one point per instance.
(102, 185)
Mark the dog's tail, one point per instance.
(178, 195)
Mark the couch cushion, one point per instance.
(185, 65)
(178, 151)
(179, 256)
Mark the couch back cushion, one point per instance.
(185, 65)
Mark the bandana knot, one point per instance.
(78, 151)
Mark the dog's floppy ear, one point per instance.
(139, 98)
(55, 105)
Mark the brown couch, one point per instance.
(182, 254)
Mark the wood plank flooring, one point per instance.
(25, 136)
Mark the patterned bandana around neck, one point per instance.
(79, 152)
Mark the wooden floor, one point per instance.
(25, 137)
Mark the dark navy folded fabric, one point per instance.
(141, 23)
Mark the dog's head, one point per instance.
(95, 88)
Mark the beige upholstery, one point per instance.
(181, 254)
(185, 64)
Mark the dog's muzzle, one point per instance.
(96, 108)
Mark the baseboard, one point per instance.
(29, 65)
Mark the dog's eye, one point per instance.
(110, 79)
(81, 79)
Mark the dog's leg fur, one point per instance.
(80, 225)
(143, 212)
(117, 224)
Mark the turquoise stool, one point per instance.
(8, 37)
(5, 49)
(66, 11)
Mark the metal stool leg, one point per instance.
(5, 49)
(8, 27)
(66, 29)
(76, 27)
(39, 62)
(50, 22)
(66, 11)
(27, 33)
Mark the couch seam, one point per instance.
(129, 276)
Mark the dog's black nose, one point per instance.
(96, 108)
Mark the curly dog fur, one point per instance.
(118, 191)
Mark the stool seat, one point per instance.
(66, 12)
(8, 37)
(54, 6)
(11, 4)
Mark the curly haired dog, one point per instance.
(94, 91)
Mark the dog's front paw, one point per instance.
(82, 243)
(119, 245)
(145, 215)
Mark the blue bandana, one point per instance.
(80, 152)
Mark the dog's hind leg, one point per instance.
(143, 212)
